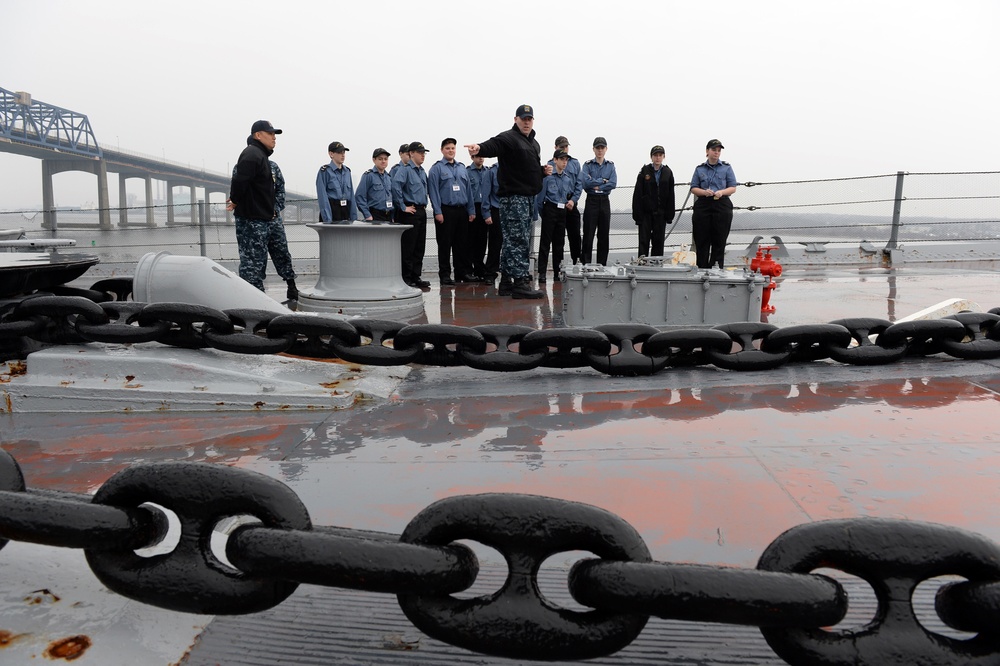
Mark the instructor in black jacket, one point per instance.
(519, 180)
(653, 203)
(251, 196)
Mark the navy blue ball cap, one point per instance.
(525, 111)
(264, 126)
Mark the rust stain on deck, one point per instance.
(69, 648)
(8, 637)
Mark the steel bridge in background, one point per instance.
(65, 141)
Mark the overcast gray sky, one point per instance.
(795, 90)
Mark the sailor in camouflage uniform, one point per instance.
(277, 242)
(253, 195)
(520, 180)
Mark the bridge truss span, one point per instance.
(37, 125)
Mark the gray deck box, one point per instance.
(660, 294)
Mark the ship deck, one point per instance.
(709, 466)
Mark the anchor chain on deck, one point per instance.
(276, 547)
(613, 349)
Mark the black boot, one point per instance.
(505, 285)
(293, 291)
(522, 289)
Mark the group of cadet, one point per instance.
(463, 201)
(484, 216)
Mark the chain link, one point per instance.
(797, 610)
(613, 349)
(893, 557)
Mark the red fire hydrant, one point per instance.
(768, 267)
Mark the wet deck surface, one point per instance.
(709, 465)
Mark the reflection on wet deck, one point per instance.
(709, 474)
(709, 464)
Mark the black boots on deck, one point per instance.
(522, 289)
(505, 285)
(293, 291)
(517, 288)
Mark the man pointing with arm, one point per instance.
(520, 179)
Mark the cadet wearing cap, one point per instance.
(451, 198)
(478, 229)
(712, 183)
(334, 188)
(599, 178)
(551, 203)
(404, 159)
(491, 218)
(409, 195)
(520, 180)
(252, 198)
(653, 203)
(374, 195)
(573, 238)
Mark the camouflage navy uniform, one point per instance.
(277, 242)
(259, 238)
(515, 220)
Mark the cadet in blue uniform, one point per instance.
(334, 188)
(409, 196)
(491, 218)
(599, 178)
(404, 159)
(478, 231)
(573, 238)
(712, 183)
(374, 195)
(451, 198)
(551, 203)
(252, 198)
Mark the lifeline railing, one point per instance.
(886, 210)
